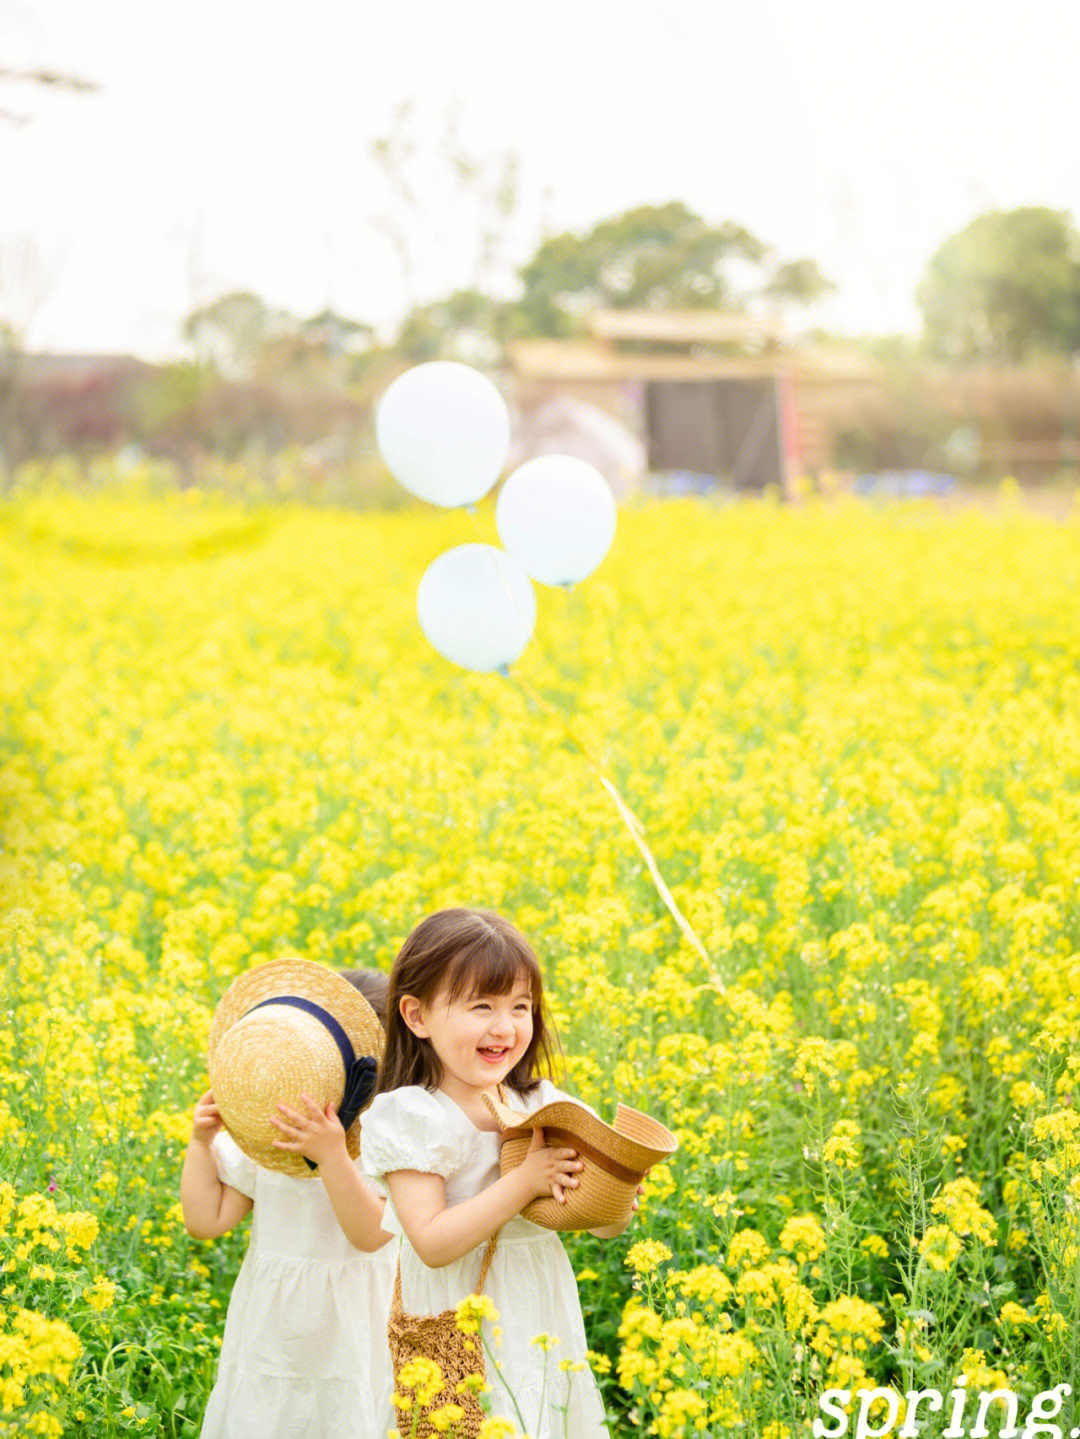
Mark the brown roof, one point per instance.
(685, 327)
(591, 360)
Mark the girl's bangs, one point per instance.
(488, 967)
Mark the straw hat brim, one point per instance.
(617, 1158)
(257, 1061)
(635, 1142)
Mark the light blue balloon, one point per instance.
(477, 607)
(556, 517)
(444, 431)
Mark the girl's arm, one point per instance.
(441, 1233)
(318, 1135)
(210, 1207)
(612, 1231)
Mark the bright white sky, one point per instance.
(228, 147)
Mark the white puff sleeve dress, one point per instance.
(304, 1354)
(530, 1280)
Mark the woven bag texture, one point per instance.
(437, 1337)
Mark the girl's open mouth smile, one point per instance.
(493, 1056)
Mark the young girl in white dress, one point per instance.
(466, 1014)
(304, 1350)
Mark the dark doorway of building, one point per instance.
(727, 428)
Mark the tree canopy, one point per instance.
(1006, 286)
(652, 256)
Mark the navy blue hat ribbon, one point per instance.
(360, 1070)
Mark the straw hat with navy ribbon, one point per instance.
(283, 1029)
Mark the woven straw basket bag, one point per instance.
(617, 1158)
(437, 1337)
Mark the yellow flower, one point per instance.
(957, 1201)
(804, 1237)
(1061, 1125)
(424, 1377)
(646, 1256)
(940, 1247)
(840, 1148)
(979, 1374)
(848, 1321)
(46, 1424)
(80, 1229)
(496, 1428)
(473, 1384)
(747, 1248)
(443, 1418)
(472, 1311)
(100, 1293)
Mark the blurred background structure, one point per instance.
(251, 316)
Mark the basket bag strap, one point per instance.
(396, 1309)
(489, 1253)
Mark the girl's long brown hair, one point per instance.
(373, 985)
(464, 951)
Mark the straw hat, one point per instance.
(617, 1158)
(283, 1029)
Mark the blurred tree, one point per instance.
(230, 332)
(25, 283)
(170, 390)
(27, 290)
(655, 256)
(467, 326)
(1004, 287)
(393, 154)
(241, 337)
(325, 352)
(797, 282)
(444, 198)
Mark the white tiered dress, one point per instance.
(304, 1354)
(530, 1280)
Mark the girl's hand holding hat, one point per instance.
(317, 1134)
(206, 1120)
(551, 1171)
(619, 1157)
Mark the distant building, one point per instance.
(565, 425)
(708, 392)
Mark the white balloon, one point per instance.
(556, 517)
(477, 607)
(444, 431)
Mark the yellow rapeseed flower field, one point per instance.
(852, 734)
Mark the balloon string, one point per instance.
(631, 820)
(628, 816)
(499, 571)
